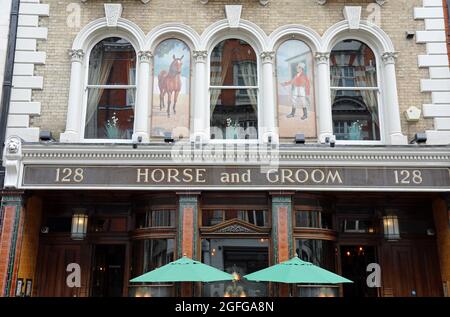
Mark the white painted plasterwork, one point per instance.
(22, 108)
(436, 60)
(264, 45)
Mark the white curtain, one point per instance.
(99, 70)
(250, 76)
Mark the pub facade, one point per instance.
(238, 133)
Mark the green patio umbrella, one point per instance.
(184, 270)
(296, 271)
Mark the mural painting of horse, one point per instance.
(170, 83)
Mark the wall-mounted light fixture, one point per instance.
(391, 228)
(79, 224)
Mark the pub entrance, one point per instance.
(238, 257)
(108, 270)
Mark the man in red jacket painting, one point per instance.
(300, 91)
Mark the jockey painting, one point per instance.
(300, 92)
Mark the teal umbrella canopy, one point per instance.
(184, 270)
(296, 271)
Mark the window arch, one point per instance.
(111, 90)
(233, 91)
(295, 89)
(171, 89)
(354, 92)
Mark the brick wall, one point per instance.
(396, 18)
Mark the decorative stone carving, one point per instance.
(13, 155)
(200, 56)
(233, 14)
(76, 55)
(145, 56)
(322, 57)
(113, 11)
(13, 145)
(267, 57)
(389, 57)
(353, 15)
(234, 228)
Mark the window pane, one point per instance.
(171, 89)
(110, 113)
(112, 62)
(313, 219)
(318, 252)
(233, 63)
(355, 115)
(295, 76)
(234, 113)
(151, 254)
(258, 218)
(353, 64)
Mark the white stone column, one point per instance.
(144, 95)
(269, 126)
(391, 106)
(324, 97)
(200, 113)
(74, 109)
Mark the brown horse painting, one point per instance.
(170, 83)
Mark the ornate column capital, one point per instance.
(145, 56)
(322, 57)
(200, 56)
(389, 57)
(267, 57)
(76, 55)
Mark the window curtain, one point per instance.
(218, 77)
(249, 74)
(131, 92)
(99, 70)
(366, 76)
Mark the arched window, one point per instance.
(171, 89)
(295, 76)
(354, 92)
(111, 90)
(233, 91)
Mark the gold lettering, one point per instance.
(172, 173)
(199, 175)
(153, 175)
(286, 174)
(144, 174)
(305, 178)
(246, 177)
(334, 177)
(275, 177)
(224, 177)
(187, 173)
(321, 174)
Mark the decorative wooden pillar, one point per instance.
(187, 231)
(441, 212)
(10, 240)
(282, 231)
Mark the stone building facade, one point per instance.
(228, 131)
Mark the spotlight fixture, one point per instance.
(410, 35)
(300, 138)
(135, 143)
(419, 138)
(45, 136)
(168, 137)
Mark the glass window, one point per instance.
(155, 218)
(171, 89)
(354, 92)
(233, 91)
(212, 217)
(318, 252)
(111, 90)
(296, 104)
(313, 219)
(350, 225)
(150, 254)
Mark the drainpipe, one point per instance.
(7, 81)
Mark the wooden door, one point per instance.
(52, 274)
